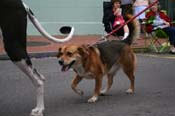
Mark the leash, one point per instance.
(43, 32)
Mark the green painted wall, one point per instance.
(84, 15)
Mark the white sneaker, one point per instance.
(172, 49)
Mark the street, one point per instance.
(154, 94)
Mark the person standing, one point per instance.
(140, 5)
(13, 24)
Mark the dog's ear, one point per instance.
(59, 52)
(83, 51)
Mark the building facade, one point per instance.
(168, 5)
(84, 15)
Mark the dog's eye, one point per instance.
(69, 54)
(59, 54)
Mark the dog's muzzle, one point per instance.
(65, 67)
(61, 62)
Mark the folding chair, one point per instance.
(155, 43)
(156, 37)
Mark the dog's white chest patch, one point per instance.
(81, 72)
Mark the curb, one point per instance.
(53, 54)
(141, 50)
(33, 55)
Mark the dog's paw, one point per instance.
(37, 112)
(79, 92)
(102, 92)
(129, 91)
(93, 99)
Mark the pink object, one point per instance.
(118, 21)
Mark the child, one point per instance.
(119, 20)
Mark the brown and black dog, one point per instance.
(93, 62)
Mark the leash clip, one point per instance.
(102, 39)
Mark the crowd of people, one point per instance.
(159, 19)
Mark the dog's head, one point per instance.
(71, 56)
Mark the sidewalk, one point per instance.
(39, 46)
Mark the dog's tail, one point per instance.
(134, 30)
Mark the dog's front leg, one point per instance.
(98, 84)
(74, 84)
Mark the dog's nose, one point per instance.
(61, 62)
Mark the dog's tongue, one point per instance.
(65, 68)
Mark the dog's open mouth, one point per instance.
(67, 67)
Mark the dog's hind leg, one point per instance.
(109, 84)
(38, 81)
(110, 77)
(131, 77)
(129, 68)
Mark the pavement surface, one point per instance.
(154, 84)
(38, 46)
(154, 90)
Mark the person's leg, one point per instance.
(171, 32)
(14, 24)
(13, 27)
(141, 17)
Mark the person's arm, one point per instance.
(118, 11)
(150, 17)
(163, 22)
(154, 18)
(166, 23)
(149, 20)
(166, 18)
(115, 11)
